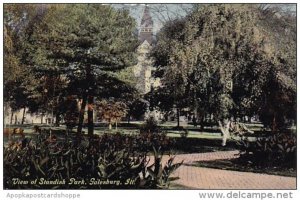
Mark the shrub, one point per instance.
(160, 140)
(184, 133)
(71, 112)
(123, 160)
(275, 150)
(152, 136)
(150, 126)
(157, 175)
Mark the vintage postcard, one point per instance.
(149, 96)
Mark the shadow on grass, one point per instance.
(201, 145)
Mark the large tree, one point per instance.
(168, 52)
(17, 18)
(225, 60)
(83, 43)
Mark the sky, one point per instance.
(160, 13)
(163, 12)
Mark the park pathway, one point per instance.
(208, 178)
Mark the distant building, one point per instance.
(146, 27)
(143, 70)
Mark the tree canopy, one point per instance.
(75, 47)
(225, 60)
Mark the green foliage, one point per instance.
(160, 98)
(71, 112)
(137, 108)
(158, 140)
(275, 150)
(113, 157)
(14, 24)
(86, 30)
(15, 76)
(81, 46)
(19, 21)
(278, 106)
(184, 133)
(157, 175)
(127, 76)
(221, 57)
(150, 126)
(11, 60)
(111, 111)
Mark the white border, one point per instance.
(127, 194)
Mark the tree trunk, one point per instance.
(42, 116)
(128, 119)
(6, 114)
(109, 126)
(194, 121)
(211, 118)
(11, 117)
(195, 116)
(81, 114)
(274, 125)
(116, 125)
(23, 116)
(57, 119)
(202, 123)
(90, 115)
(16, 119)
(178, 116)
(224, 131)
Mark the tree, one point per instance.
(220, 58)
(167, 53)
(71, 111)
(111, 111)
(22, 83)
(136, 109)
(84, 43)
(135, 103)
(15, 74)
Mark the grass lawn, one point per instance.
(195, 134)
(196, 142)
(98, 130)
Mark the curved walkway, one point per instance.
(207, 178)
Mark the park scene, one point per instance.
(149, 96)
